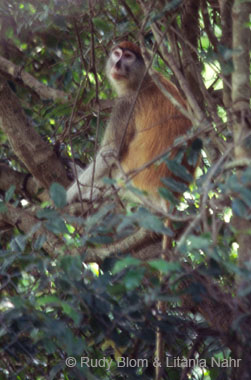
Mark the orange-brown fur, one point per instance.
(157, 124)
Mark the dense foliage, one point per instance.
(62, 316)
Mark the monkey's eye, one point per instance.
(128, 55)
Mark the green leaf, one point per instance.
(47, 213)
(175, 186)
(101, 24)
(9, 193)
(246, 176)
(198, 242)
(164, 266)
(57, 110)
(18, 302)
(41, 239)
(151, 222)
(99, 239)
(179, 170)
(168, 195)
(72, 266)
(155, 16)
(49, 346)
(239, 208)
(125, 263)
(245, 194)
(3, 207)
(58, 195)
(99, 216)
(241, 190)
(55, 370)
(109, 181)
(53, 300)
(133, 278)
(56, 226)
(135, 190)
(18, 244)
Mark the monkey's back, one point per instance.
(157, 124)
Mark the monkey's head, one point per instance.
(125, 67)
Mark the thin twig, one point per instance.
(205, 190)
(94, 70)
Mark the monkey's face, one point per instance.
(121, 63)
(124, 69)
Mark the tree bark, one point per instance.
(24, 183)
(241, 108)
(33, 228)
(31, 149)
(242, 141)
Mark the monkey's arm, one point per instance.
(106, 157)
(93, 174)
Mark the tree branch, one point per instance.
(43, 91)
(33, 227)
(24, 184)
(31, 149)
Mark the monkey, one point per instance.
(143, 124)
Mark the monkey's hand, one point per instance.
(89, 182)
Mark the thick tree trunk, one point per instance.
(242, 139)
(241, 109)
(35, 153)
